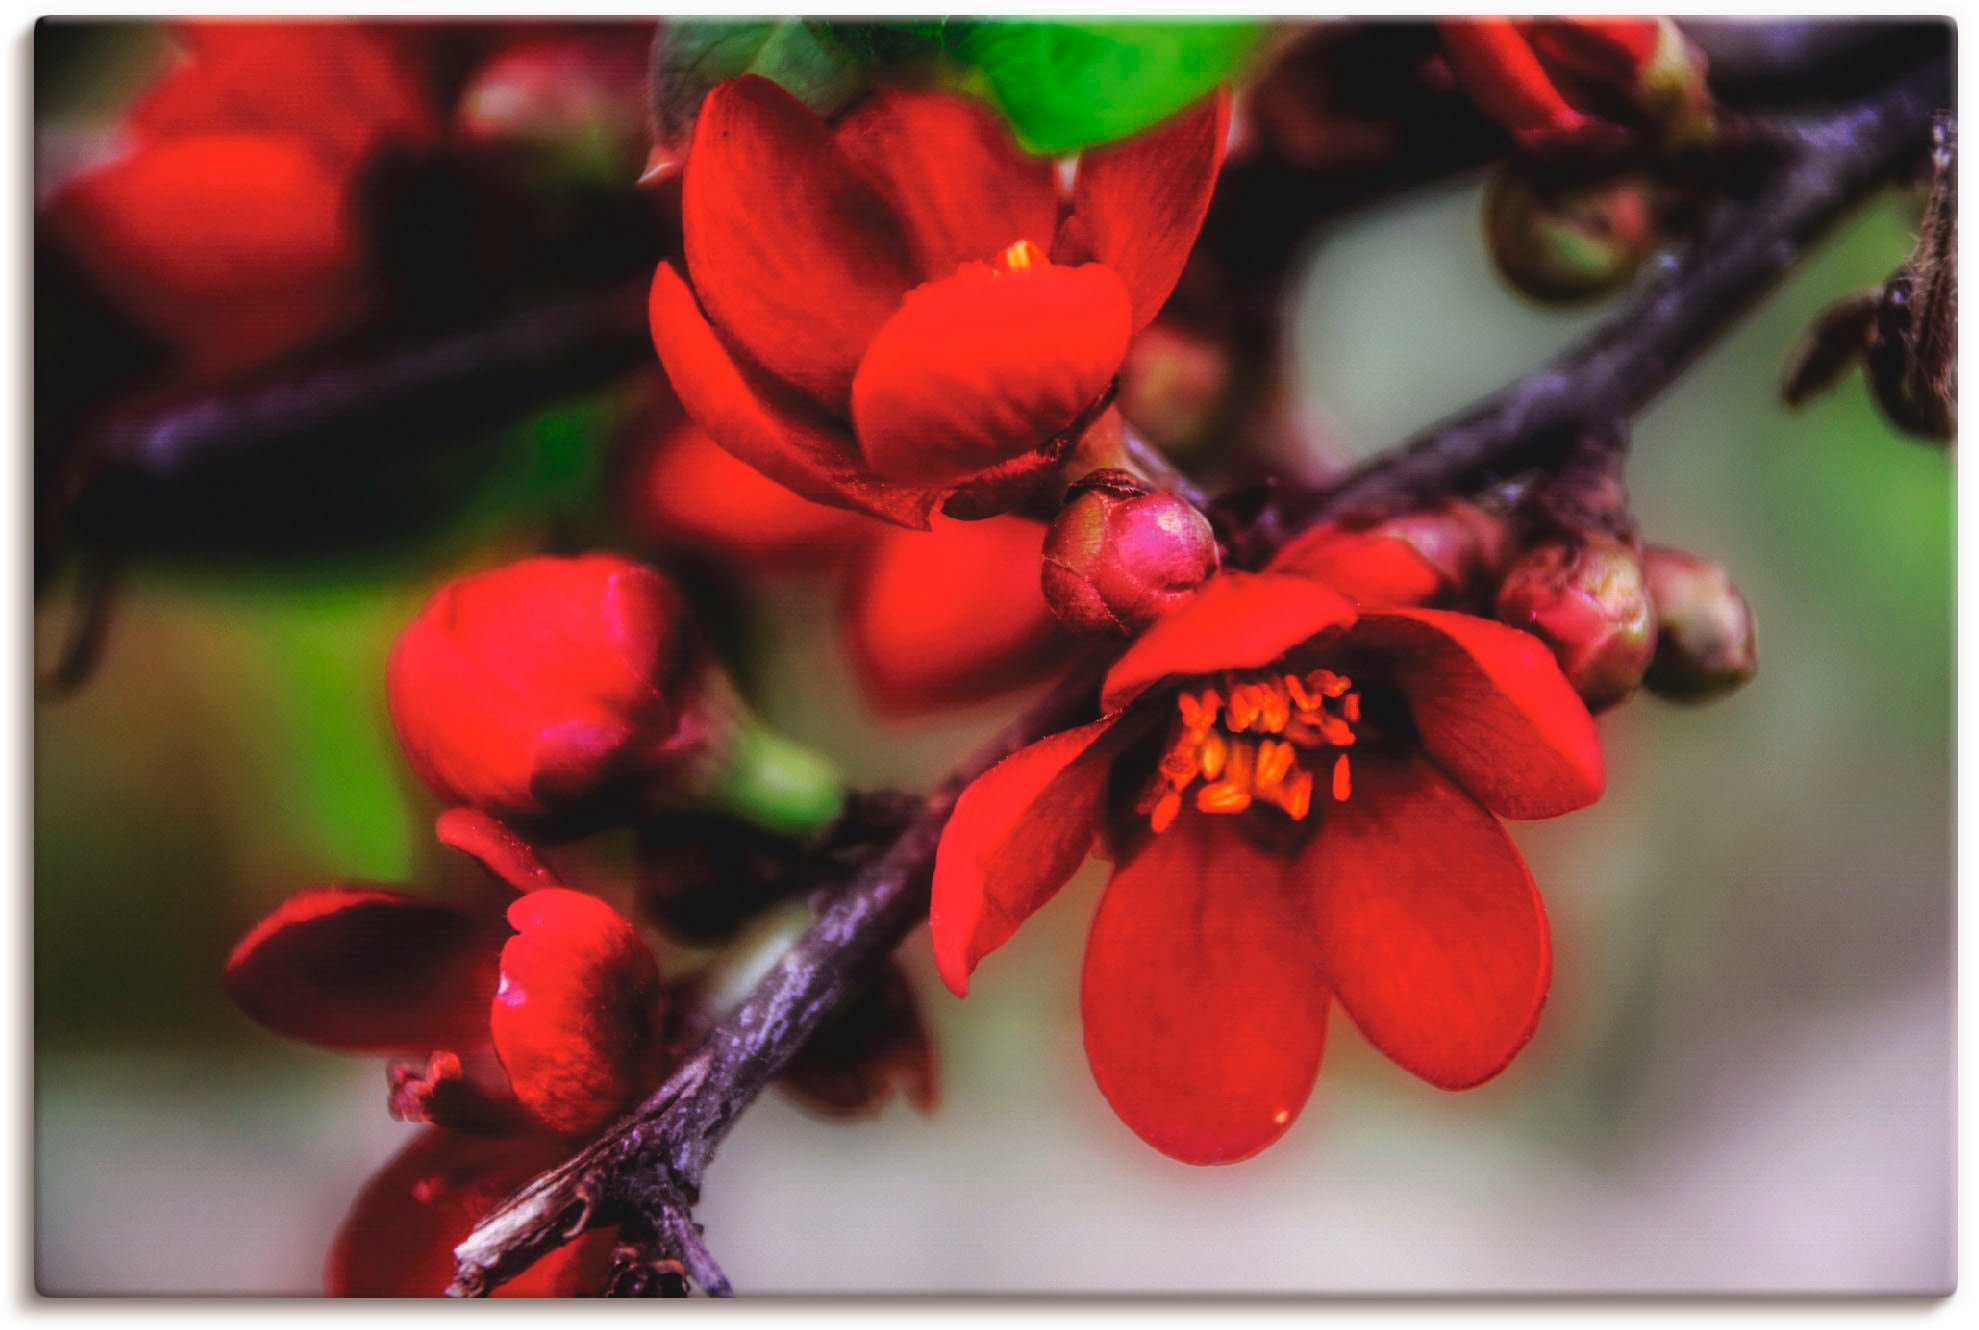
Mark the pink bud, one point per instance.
(1585, 598)
(1120, 556)
(1705, 642)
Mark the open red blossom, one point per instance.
(1556, 82)
(530, 689)
(531, 1035)
(227, 227)
(890, 312)
(1302, 800)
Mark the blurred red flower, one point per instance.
(929, 619)
(537, 1025)
(1302, 801)
(888, 314)
(226, 228)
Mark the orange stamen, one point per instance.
(1290, 715)
(1021, 257)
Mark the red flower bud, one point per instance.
(528, 689)
(1585, 598)
(1436, 555)
(950, 616)
(575, 1017)
(1705, 642)
(1567, 239)
(1120, 556)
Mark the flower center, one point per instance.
(1248, 742)
(1020, 257)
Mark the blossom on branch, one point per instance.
(1302, 802)
(528, 1029)
(890, 314)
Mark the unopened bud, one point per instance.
(1565, 237)
(1119, 555)
(1584, 597)
(1705, 642)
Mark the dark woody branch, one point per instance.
(645, 1174)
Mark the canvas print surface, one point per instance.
(958, 656)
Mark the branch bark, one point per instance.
(647, 1171)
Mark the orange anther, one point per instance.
(1021, 256)
(1274, 759)
(1296, 798)
(1223, 797)
(1243, 709)
(1350, 706)
(1215, 752)
(1343, 779)
(1337, 732)
(1297, 691)
(1166, 810)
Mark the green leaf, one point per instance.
(694, 54)
(1066, 85)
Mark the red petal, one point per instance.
(792, 446)
(960, 187)
(1493, 708)
(984, 366)
(1610, 50)
(576, 1019)
(1496, 65)
(792, 252)
(1236, 621)
(1370, 567)
(951, 616)
(684, 491)
(1137, 205)
(398, 1240)
(1205, 1009)
(1018, 832)
(1435, 940)
(496, 846)
(234, 248)
(367, 970)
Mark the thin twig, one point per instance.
(649, 1168)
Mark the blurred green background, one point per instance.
(1743, 1082)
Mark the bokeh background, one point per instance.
(1743, 1082)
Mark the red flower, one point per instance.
(1559, 81)
(888, 313)
(226, 229)
(532, 689)
(1302, 799)
(532, 1034)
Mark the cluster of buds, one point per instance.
(1619, 615)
